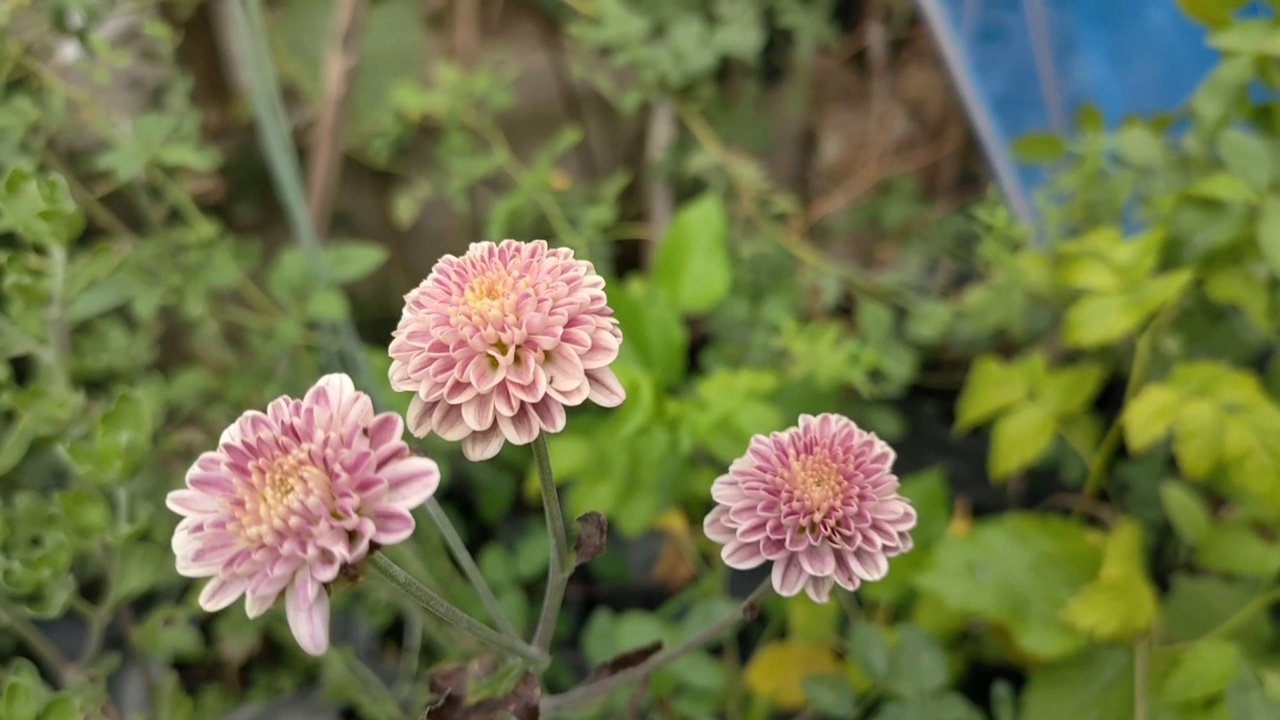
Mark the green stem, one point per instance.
(1233, 624)
(560, 568)
(438, 606)
(40, 646)
(586, 694)
(469, 568)
(1137, 376)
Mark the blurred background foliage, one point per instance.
(792, 217)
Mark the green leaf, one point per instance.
(1248, 37)
(1223, 187)
(1236, 286)
(919, 667)
(1201, 671)
(1016, 571)
(351, 260)
(870, 650)
(692, 267)
(1098, 320)
(1149, 415)
(1268, 231)
(1018, 439)
(39, 209)
(1094, 685)
(1140, 146)
(949, 705)
(930, 495)
(1198, 437)
(328, 305)
(830, 695)
(1197, 604)
(1247, 156)
(1068, 390)
(1211, 13)
(1121, 603)
(1039, 149)
(62, 707)
(1246, 697)
(991, 386)
(655, 338)
(1236, 548)
(1187, 511)
(1216, 97)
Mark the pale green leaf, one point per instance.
(1197, 438)
(1094, 685)
(1268, 231)
(1018, 439)
(351, 260)
(1016, 571)
(692, 266)
(1236, 286)
(1149, 416)
(991, 386)
(1068, 390)
(1247, 156)
(1201, 671)
(1236, 548)
(1187, 511)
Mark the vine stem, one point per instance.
(441, 608)
(1137, 375)
(591, 692)
(469, 568)
(560, 568)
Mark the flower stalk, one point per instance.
(430, 601)
(560, 567)
(591, 692)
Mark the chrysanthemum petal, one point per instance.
(483, 445)
(307, 609)
(788, 577)
(221, 591)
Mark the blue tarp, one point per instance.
(1026, 66)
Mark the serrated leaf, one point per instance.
(1149, 415)
(1187, 512)
(1068, 390)
(1246, 156)
(1121, 603)
(692, 265)
(1016, 572)
(1018, 439)
(991, 386)
(1197, 438)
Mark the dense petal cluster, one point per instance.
(819, 500)
(293, 495)
(496, 343)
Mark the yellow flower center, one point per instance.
(817, 483)
(279, 489)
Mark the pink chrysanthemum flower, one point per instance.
(292, 496)
(820, 501)
(496, 343)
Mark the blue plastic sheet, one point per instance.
(1025, 66)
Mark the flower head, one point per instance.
(819, 500)
(292, 496)
(496, 343)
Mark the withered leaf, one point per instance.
(593, 537)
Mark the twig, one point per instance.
(660, 134)
(1141, 677)
(560, 568)
(325, 167)
(585, 694)
(466, 32)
